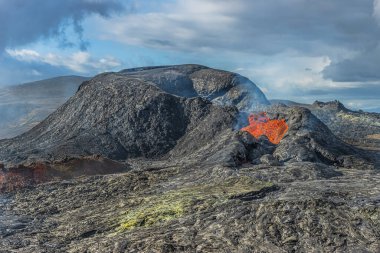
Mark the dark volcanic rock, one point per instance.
(358, 128)
(269, 160)
(355, 127)
(126, 115)
(308, 139)
(118, 117)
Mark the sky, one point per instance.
(300, 50)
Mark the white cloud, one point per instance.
(81, 62)
(286, 34)
(286, 75)
(260, 26)
(25, 55)
(182, 25)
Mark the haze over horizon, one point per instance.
(299, 50)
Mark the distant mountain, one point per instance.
(24, 106)
(285, 102)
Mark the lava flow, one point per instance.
(261, 124)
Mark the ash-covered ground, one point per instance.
(153, 160)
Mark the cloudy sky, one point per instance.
(301, 50)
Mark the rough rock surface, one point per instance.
(187, 179)
(117, 117)
(302, 207)
(308, 139)
(355, 127)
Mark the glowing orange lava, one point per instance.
(261, 124)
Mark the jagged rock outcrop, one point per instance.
(332, 105)
(355, 127)
(308, 139)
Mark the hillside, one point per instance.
(24, 106)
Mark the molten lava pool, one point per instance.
(261, 124)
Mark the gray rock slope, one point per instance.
(118, 117)
(23, 106)
(138, 113)
(300, 208)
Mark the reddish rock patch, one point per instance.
(28, 174)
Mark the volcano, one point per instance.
(162, 159)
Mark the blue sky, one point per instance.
(302, 50)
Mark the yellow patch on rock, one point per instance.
(374, 136)
(174, 204)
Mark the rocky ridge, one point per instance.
(218, 86)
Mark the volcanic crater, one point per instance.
(188, 158)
